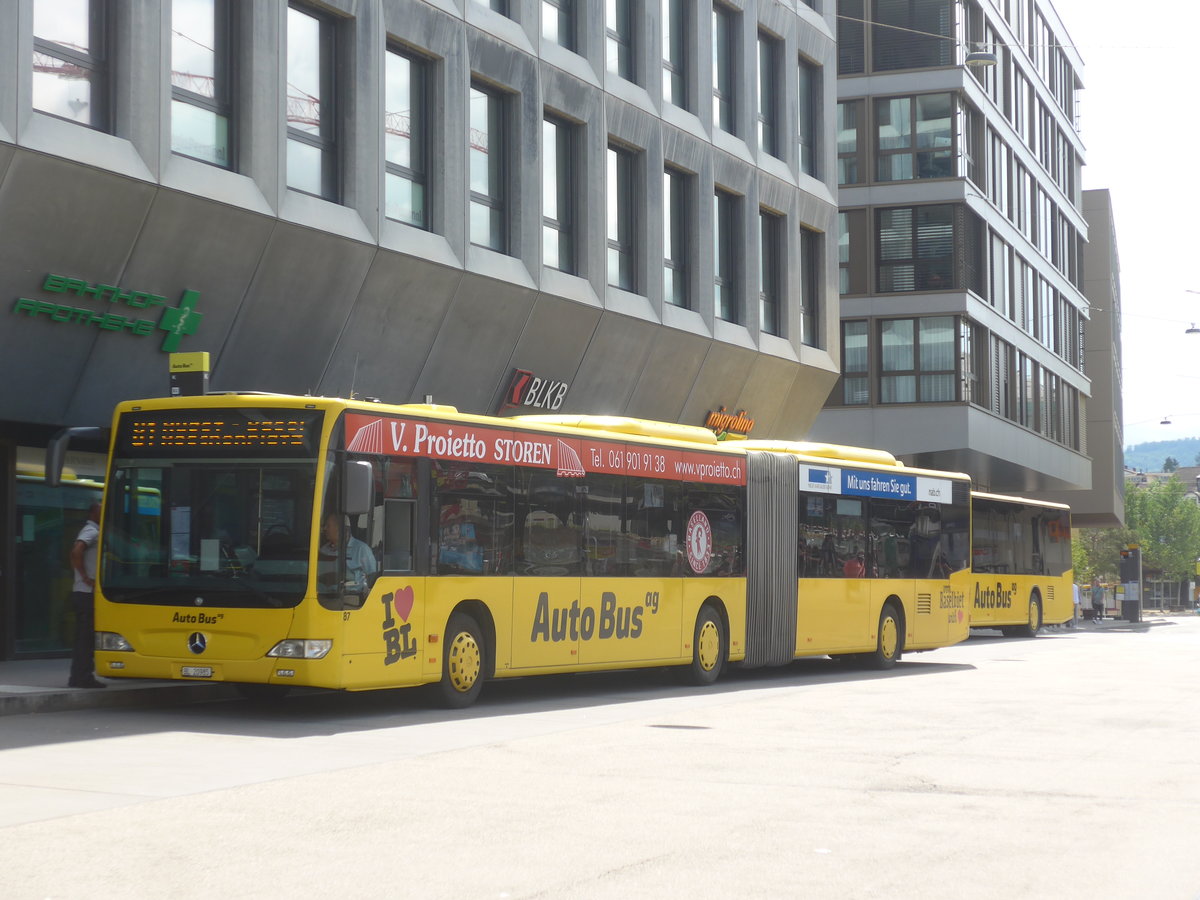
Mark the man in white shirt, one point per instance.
(83, 564)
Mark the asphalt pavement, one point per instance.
(40, 685)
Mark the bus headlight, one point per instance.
(110, 640)
(294, 648)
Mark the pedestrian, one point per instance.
(1075, 600)
(83, 599)
(1097, 601)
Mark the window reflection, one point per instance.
(69, 73)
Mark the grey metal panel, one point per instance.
(552, 344)
(474, 345)
(804, 400)
(666, 379)
(720, 382)
(612, 365)
(175, 251)
(766, 390)
(297, 303)
(391, 333)
(772, 491)
(60, 217)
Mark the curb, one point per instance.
(159, 695)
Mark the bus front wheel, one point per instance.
(463, 662)
(708, 648)
(890, 640)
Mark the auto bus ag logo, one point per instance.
(177, 321)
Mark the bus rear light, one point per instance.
(110, 640)
(300, 649)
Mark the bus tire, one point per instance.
(464, 661)
(889, 642)
(709, 647)
(1031, 627)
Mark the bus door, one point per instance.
(835, 573)
(375, 582)
(547, 613)
(632, 589)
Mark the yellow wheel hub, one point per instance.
(889, 638)
(708, 646)
(1033, 616)
(465, 661)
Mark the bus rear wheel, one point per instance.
(709, 648)
(890, 640)
(463, 663)
(1032, 626)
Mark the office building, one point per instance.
(962, 246)
(631, 201)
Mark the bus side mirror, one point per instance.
(360, 486)
(56, 450)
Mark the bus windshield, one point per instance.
(222, 517)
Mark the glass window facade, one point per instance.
(770, 271)
(312, 165)
(619, 38)
(559, 22)
(200, 89)
(558, 196)
(622, 270)
(726, 297)
(677, 224)
(70, 70)
(676, 50)
(808, 130)
(914, 137)
(488, 225)
(724, 49)
(406, 138)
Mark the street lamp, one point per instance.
(980, 57)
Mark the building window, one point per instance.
(770, 270)
(406, 138)
(768, 94)
(677, 221)
(851, 37)
(488, 214)
(500, 6)
(558, 22)
(916, 248)
(621, 251)
(807, 125)
(723, 65)
(726, 301)
(619, 49)
(558, 198)
(675, 52)
(849, 142)
(918, 360)
(200, 95)
(311, 124)
(914, 137)
(811, 280)
(912, 34)
(70, 71)
(855, 362)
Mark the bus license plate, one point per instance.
(196, 671)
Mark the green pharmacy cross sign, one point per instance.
(177, 321)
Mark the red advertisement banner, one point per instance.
(570, 457)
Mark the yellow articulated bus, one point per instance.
(1021, 560)
(356, 545)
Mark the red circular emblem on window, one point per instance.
(699, 542)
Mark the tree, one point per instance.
(1166, 523)
(1170, 464)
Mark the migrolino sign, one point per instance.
(723, 422)
(177, 321)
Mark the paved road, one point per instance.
(1057, 767)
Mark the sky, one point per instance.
(1139, 124)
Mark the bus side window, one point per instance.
(398, 535)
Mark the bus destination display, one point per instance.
(225, 432)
